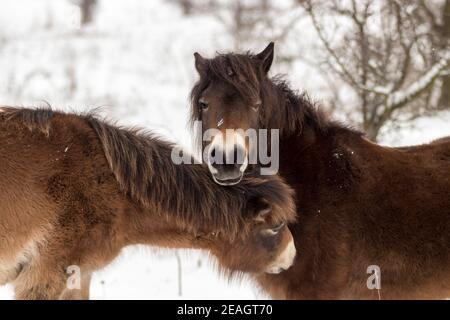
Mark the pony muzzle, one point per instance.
(284, 260)
(227, 161)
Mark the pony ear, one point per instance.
(201, 64)
(266, 57)
(262, 210)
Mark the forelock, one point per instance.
(239, 71)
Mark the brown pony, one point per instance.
(74, 190)
(373, 222)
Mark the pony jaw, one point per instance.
(228, 182)
(285, 260)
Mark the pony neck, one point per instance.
(290, 111)
(308, 137)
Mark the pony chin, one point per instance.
(228, 182)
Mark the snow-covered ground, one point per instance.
(148, 273)
(136, 61)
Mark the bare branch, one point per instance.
(399, 98)
(347, 75)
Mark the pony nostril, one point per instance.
(234, 155)
(233, 158)
(238, 155)
(212, 157)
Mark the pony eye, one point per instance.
(256, 106)
(203, 104)
(274, 230)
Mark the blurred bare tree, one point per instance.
(186, 5)
(438, 17)
(246, 20)
(393, 55)
(87, 9)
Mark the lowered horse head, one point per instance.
(263, 243)
(232, 99)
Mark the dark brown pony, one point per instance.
(75, 190)
(373, 222)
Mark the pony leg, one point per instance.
(86, 287)
(39, 284)
(47, 281)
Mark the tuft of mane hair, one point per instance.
(34, 119)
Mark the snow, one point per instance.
(136, 62)
(423, 130)
(399, 97)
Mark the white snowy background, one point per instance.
(136, 61)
